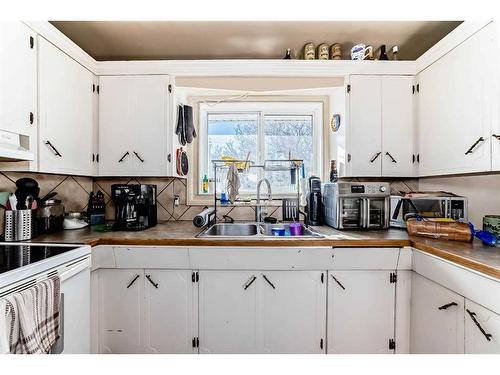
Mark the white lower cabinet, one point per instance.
(360, 312)
(121, 292)
(171, 311)
(147, 311)
(262, 311)
(482, 330)
(437, 318)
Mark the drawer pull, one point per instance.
(338, 282)
(375, 157)
(151, 281)
(123, 157)
(268, 281)
(249, 283)
(444, 307)
(471, 149)
(133, 281)
(392, 159)
(473, 317)
(138, 157)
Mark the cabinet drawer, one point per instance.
(366, 258)
(151, 257)
(262, 258)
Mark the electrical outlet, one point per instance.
(177, 200)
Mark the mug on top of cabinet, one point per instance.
(361, 52)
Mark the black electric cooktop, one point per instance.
(14, 256)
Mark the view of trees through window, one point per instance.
(276, 137)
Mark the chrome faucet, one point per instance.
(258, 210)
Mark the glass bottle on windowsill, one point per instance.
(334, 176)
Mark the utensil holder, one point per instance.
(19, 225)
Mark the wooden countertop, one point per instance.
(471, 255)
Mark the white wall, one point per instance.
(482, 191)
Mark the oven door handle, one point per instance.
(365, 212)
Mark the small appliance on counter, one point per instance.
(438, 205)
(357, 205)
(135, 206)
(314, 202)
(50, 216)
(96, 208)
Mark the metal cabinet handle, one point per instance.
(133, 281)
(338, 282)
(32, 118)
(123, 157)
(497, 136)
(444, 307)
(138, 157)
(268, 281)
(250, 282)
(392, 159)
(56, 153)
(151, 281)
(375, 157)
(473, 317)
(471, 149)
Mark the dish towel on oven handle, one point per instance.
(30, 319)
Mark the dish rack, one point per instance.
(272, 165)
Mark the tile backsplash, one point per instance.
(74, 191)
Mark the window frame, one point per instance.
(315, 109)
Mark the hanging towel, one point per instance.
(9, 324)
(233, 182)
(180, 129)
(33, 318)
(189, 130)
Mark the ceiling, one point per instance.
(189, 40)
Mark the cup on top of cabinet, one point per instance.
(361, 52)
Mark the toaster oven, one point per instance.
(432, 205)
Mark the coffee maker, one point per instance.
(315, 211)
(135, 206)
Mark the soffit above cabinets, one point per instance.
(196, 40)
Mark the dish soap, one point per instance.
(205, 184)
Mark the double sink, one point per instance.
(256, 230)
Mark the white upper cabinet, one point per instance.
(17, 78)
(495, 102)
(397, 126)
(360, 312)
(365, 126)
(380, 129)
(133, 120)
(456, 101)
(65, 112)
(482, 330)
(437, 318)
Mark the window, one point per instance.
(262, 131)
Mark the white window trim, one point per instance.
(314, 109)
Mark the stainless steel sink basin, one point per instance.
(254, 230)
(231, 230)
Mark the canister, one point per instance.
(491, 223)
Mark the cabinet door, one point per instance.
(171, 306)
(293, 311)
(66, 112)
(481, 324)
(121, 292)
(365, 126)
(360, 312)
(437, 318)
(495, 96)
(454, 120)
(17, 78)
(228, 314)
(397, 126)
(133, 125)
